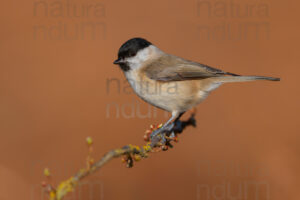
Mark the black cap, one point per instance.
(131, 47)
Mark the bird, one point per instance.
(169, 82)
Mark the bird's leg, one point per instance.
(177, 124)
(164, 127)
(168, 126)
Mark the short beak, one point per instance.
(118, 61)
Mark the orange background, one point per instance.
(54, 94)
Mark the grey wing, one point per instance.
(172, 68)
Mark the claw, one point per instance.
(156, 132)
(163, 130)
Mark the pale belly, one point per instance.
(170, 96)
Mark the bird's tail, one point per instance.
(230, 79)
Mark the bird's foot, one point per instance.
(159, 132)
(162, 131)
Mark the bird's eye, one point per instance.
(132, 54)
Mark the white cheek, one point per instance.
(136, 61)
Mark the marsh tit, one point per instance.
(169, 82)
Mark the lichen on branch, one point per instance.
(130, 153)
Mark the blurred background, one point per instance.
(58, 86)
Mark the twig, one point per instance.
(131, 152)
